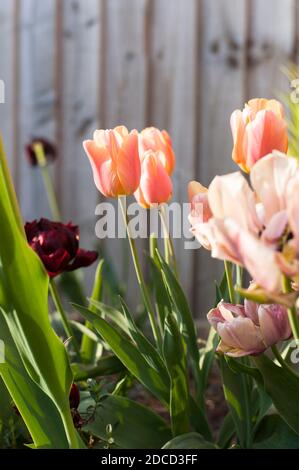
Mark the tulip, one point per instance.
(155, 184)
(153, 139)
(198, 199)
(249, 329)
(48, 149)
(114, 159)
(57, 245)
(74, 397)
(258, 130)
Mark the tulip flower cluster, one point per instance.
(253, 225)
(126, 163)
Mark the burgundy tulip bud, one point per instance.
(57, 245)
(74, 397)
(48, 149)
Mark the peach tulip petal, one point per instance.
(128, 164)
(238, 131)
(155, 183)
(258, 130)
(264, 134)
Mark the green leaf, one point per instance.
(143, 344)
(227, 431)
(133, 425)
(107, 365)
(162, 302)
(274, 433)
(187, 326)
(283, 388)
(130, 356)
(37, 409)
(24, 291)
(174, 350)
(191, 440)
(237, 393)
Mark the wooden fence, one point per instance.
(71, 66)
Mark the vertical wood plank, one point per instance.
(78, 84)
(272, 43)
(172, 97)
(37, 97)
(8, 57)
(123, 95)
(222, 71)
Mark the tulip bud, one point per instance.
(48, 150)
(258, 130)
(114, 159)
(155, 184)
(74, 397)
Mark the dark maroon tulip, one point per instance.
(57, 245)
(49, 150)
(74, 396)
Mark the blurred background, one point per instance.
(71, 66)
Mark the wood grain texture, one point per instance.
(222, 71)
(71, 66)
(37, 97)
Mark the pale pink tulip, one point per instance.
(155, 184)
(249, 329)
(115, 162)
(258, 130)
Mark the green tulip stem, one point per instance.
(65, 322)
(229, 279)
(168, 243)
(70, 430)
(282, 362)
(139, 275)
(292, 312)
(48, 183)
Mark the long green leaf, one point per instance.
(133, 426)
(190, 440)
(24, 291)
(130, 356)
(283, 388)
(174, 350)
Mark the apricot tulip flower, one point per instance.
(249, 329)
(257, 228)
(155, 184)
(115, 162)
(153, 139)
(257, 130)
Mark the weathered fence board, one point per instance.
(71, 66)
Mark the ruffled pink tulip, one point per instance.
(249, 329)
(153, 139)
(155, 184)
(257, 228)
(258, 130)
(114, 157)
